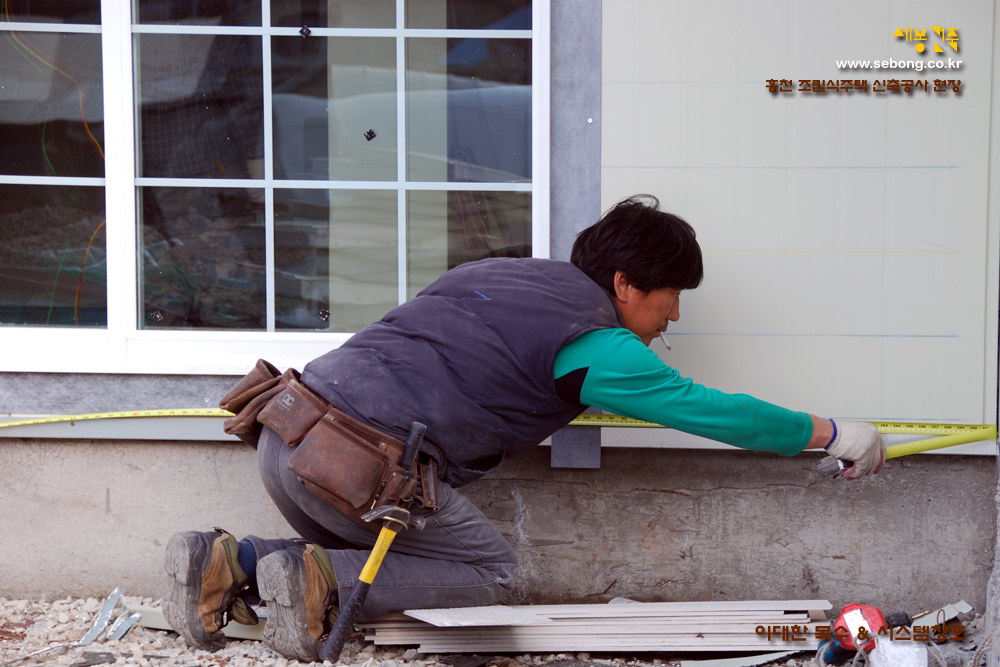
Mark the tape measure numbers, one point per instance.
(910, 428)
(588, 419)
(933, 429)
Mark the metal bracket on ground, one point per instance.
(101, 630)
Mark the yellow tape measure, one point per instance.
(129, 414)
(911, 428)
(587, 419)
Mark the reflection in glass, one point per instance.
(445, 229)
(334, 13)
(334, 108)
(51, 106)
(51, 11)
(469, 14)
(199, 12)
(53, 269)
(202, 258)
(200, 106)
(335, 258)
(469, 110)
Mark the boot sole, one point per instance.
(180, 604)
(280, 578)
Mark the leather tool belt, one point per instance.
(347, 463)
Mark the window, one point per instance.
(189, 186)
(52, 248)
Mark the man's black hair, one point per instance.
(653, 248)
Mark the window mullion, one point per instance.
(540, 119)
(402, 269)
(269, 267)
(119, 150)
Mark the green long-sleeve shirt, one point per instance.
(615, 371)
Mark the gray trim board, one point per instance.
(575, 158)
(80, 393)
(575, 143)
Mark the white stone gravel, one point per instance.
(27, 626)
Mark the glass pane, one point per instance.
(469, 14)
(199, 12)
(334, 108)
(334, 13)
(52, 255)
(202, 258)
(335, 258)
(52, 11)
(445, 229)
(469, 110)
(51, 106)
(200, 106)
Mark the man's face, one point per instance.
(646, 314)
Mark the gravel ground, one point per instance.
(27, 626)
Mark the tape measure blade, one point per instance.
(611, 421)
(900, 428)
(606, 419)
(130, 414)
(904, 428)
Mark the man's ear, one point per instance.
(623, 287)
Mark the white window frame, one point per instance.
(123, 347)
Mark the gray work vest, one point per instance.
(471, 357)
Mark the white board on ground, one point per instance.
(475, 616)
(745, 661)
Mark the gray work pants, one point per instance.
(458, 560)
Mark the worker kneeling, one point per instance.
(493, 357)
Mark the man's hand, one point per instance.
(861, 444)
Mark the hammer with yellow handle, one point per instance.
(394, 518)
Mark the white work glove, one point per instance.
(859, 443)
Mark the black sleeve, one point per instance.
(569, 386)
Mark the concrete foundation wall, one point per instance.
(81, 518)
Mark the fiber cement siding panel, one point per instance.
(847, 236)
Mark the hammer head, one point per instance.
(395, 517)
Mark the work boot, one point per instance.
(205, 587)
(300, 591)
